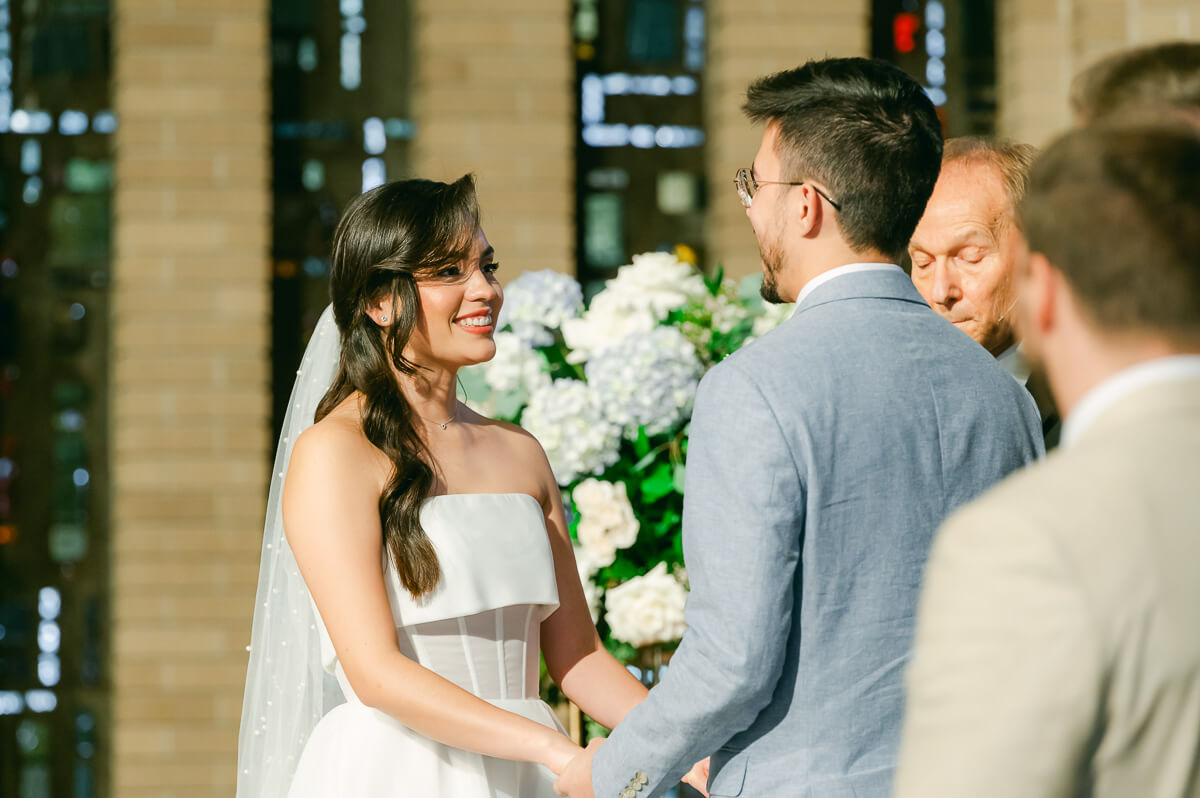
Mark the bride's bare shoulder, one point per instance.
(515, 445)
(335, 446)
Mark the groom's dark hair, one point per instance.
(864, 129)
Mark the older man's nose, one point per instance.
(946, 290)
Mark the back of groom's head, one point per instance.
(867, 131)
(1116, 210)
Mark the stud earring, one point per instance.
(383, 319)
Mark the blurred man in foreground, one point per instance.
(1058, 638)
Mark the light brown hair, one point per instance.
(1116, 209)
(1011, 159)
(1162, 75)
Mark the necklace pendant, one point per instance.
(444, 423)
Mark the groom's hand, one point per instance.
(576, 778)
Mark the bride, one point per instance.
(416, 555)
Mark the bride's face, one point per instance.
(460, 306)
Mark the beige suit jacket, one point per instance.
(1058, 638)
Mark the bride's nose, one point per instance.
(480, 288)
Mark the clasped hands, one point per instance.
(576, 779)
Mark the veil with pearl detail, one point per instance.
(287, 688)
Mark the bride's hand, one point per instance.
(557, 751)
(697, 777)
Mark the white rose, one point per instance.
(635, 301)
(606, 519)
(658, 281)
(647, 609)
(606, 323)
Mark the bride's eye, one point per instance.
(449, 271)
(491, 267)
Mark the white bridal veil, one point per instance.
(287, 689)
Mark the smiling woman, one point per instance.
(435, 655)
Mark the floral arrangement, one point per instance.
(608, 391)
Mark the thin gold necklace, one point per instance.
(446, 423)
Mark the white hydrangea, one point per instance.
(647, 380)
(516, 367)
(640, 296)
(771, 317)
(537, 302)
(606, 519)
(647, 609)
(608, 321)
(591, 591)
(658, 282)
(567, 420)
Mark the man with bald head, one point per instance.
(966, 248)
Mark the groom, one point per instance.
(822, 458)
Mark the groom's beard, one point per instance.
(772, 258)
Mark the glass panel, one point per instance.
(55, 220)
(950, 47)
(340, 82)
(640, 150)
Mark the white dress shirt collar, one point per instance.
(1096, 401)
(1014, 362)
(833, 274)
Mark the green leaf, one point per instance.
(621, 651)
(660, 482)
(641, 446)
(713, 283)
(595, 730)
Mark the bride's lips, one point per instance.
(477, 322)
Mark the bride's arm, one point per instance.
(330, 506)
(575, 656)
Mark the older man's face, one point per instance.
(965, 252)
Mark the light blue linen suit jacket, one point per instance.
(821, 460)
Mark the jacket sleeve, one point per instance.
(742, 528)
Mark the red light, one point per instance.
(904, 30)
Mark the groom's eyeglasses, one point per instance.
(747, 186)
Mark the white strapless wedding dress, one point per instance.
(479, 629)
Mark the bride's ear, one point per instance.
(380, 309)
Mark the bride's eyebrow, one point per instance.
(487, 254)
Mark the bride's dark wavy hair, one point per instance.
(388, 239)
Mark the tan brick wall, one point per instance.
(493, 95)
(190, 387)
(748, 39)
(1042, 45)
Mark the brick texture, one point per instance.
(492, 95)
(190, 385)
(748, 39)
(1041, 46)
